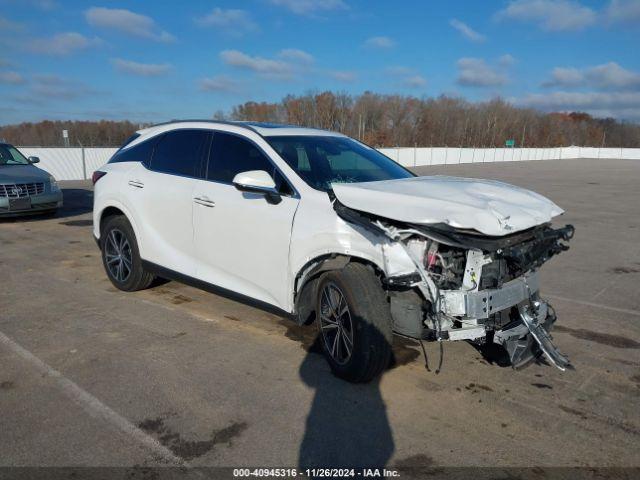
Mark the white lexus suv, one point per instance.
(320, 227)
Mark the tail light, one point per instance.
(97, 175)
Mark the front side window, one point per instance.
(180, 152)
(323, 160)
(231, 154)
(11, 156)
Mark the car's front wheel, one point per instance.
(121, 257)
(354, 321)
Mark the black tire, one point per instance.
(137, 278)
(369, 317)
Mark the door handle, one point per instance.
(136, 183)
(204, 201)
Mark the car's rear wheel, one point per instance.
(354, 321)
(121, 257)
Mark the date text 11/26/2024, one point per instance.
(315, 473)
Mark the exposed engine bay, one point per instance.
(470, 286)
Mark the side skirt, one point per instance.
(168, 274)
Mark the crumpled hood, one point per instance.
(487, 206)
(22, 174)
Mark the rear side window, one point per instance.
(138, 153)
(129, 140)
(180, 152)
(231, 154)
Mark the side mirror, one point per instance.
(256, 181)
(34, 160)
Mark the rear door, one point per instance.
(164, 202)
(242, 239)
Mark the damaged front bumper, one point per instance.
(479, 304)
(522, 340)
(466, 315)
(525, 339)
(468, 286)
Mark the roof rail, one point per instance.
(221, 122)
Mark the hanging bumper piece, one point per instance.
(530, 336)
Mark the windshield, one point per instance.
(11, 156)
(321, 161)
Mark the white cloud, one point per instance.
(295, 55)
(219, 83)
(624, 105)
(506, 60)
(406, 77)
(623, 11)
(466, 31)
(612, 75)
(343, 76)
(551, 15)
(380, 42)
(141, 69)
(310, 7)
(53, 87)
(566, 77)
(11, 78)
(127, 22)
(475, 72)
(263, 66)
(286, 65)
(61, 44)
(415, 81)
(233, 21)
(605, 77)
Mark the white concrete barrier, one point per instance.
(62, 163)
(70, 163)
(96, 157)
(80, 163)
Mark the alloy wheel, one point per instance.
(336, 324)
(118, 255)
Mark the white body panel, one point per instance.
(242, 243)
(487, 206)
(165, 208)
(255, 248)
(319, 231)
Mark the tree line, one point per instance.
(48, 133)
(379, 120)
(397, 120)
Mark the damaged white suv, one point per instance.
(318, 226)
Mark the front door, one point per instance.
(242, 239)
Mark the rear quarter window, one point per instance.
(138, 153)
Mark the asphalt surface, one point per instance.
(90, 376)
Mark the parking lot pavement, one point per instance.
(93, 376)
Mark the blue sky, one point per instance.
(153, 60)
